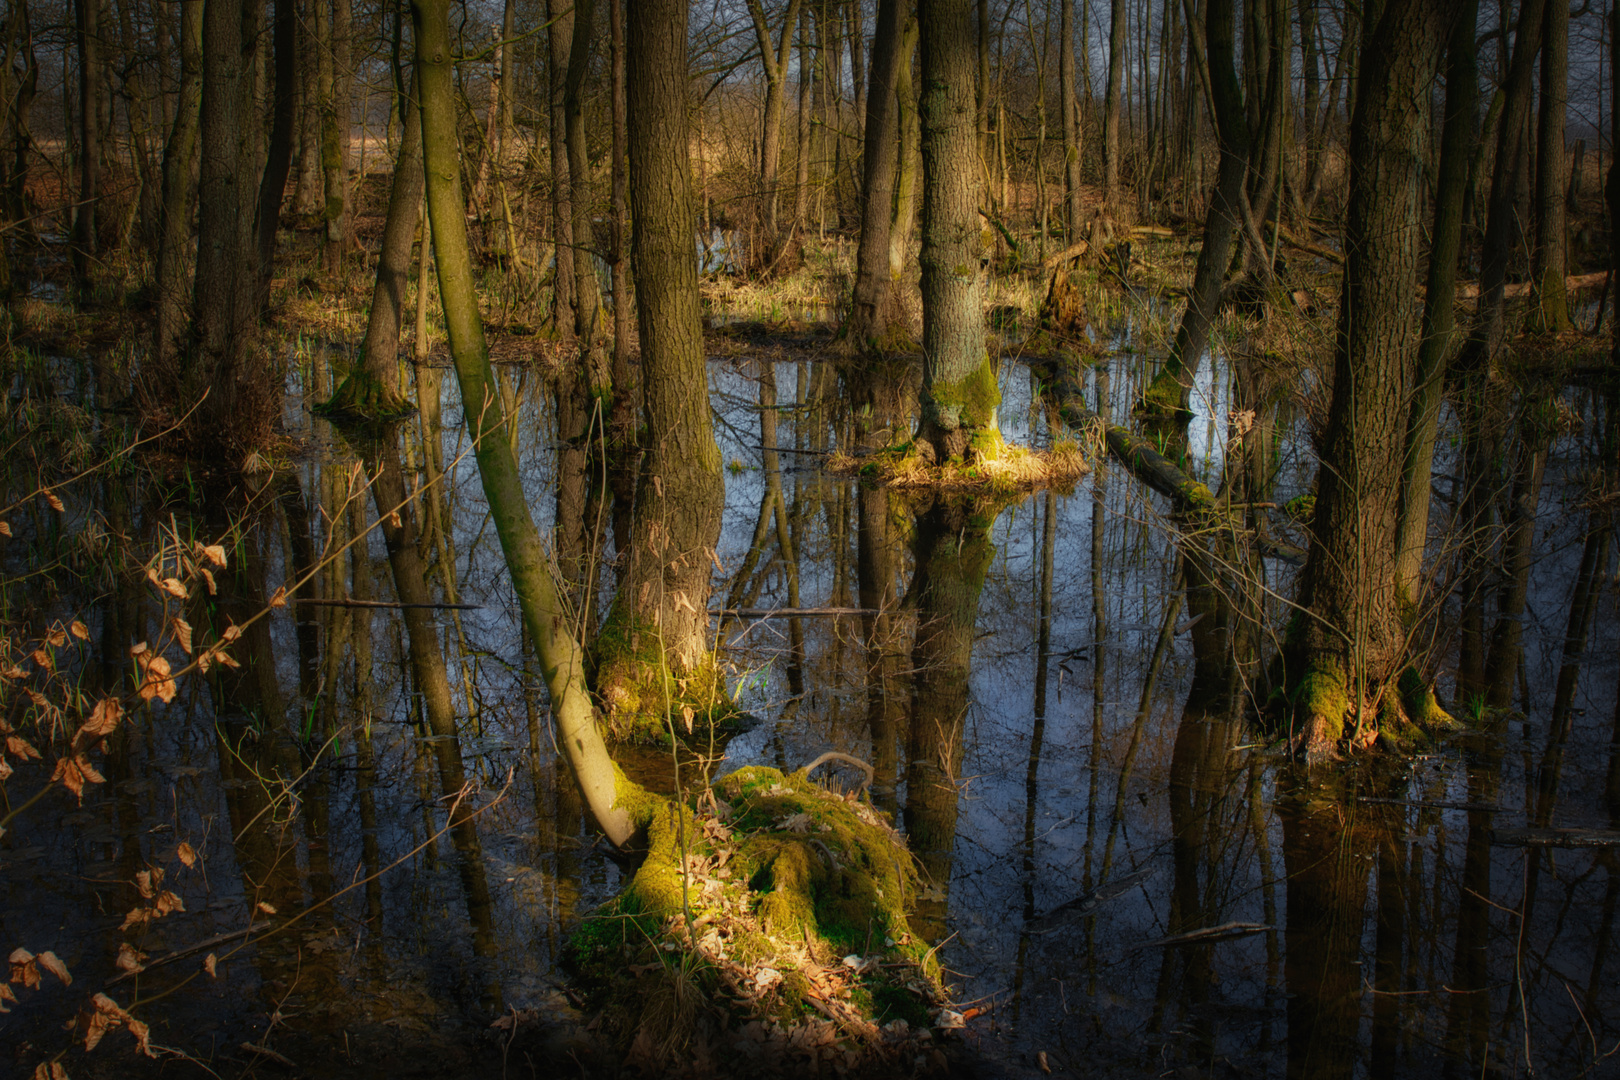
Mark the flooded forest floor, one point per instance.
(1123, 875)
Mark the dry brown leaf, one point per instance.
(44, 659)
(23, 968)
(157, 684)
(173, 587)
(395, 521)
(5, 996)
(215, 554)
(102, 722)
(145, 885)
(57, 637)
(5, 530)
(48, 960)
(21, 747)
(37, 698)
(225, 658)
(5, 768)
(205, 661)
(50, 1070)
(230, 633)
(138, 649)
(279, 600)
(167, 902)
(12, 671)
(129, 958)
(103, 1015)
(143, 1036)
(686, 717)
(137, 918)
(268, 909)
(50, 497)
(182, 633)
(80, 631)
(209, 963)
(186, 854)
(152, 576)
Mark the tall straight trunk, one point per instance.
(656, 635)
(1549, 312)
(560, 38)
(869, 311)
(1069, 102)
(801, 179)
(86, 14)
(307, 188)
(543, 615)
(179, 193)
(506, 127)
(242, 403)
(1112, 103)
(623, 393)
(774, 58)
(1171, 390)
(1312, 100)
(273, 185)
(588, 326)
(1451, 189)
(959, 393)
(908, 165)
(328, 108)
(1350, 639)
(1502, 664)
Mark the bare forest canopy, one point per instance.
(694, 440)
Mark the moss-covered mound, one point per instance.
(643, 700)
(768, 930)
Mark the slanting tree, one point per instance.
(653, 656)
(959, 393)
(1348, 641)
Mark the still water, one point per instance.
(1125, 877)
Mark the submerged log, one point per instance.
(1559, 838)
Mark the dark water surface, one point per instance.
(1079, 809)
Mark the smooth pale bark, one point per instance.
(774, 58)
(1111, 102)
(869, 310)
(904, 222)
(1451, 189)
(960, 394)
(1549, 311)
(656, 634)
(179, 193)
(1349, 636)
(547, 622)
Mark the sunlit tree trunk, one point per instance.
(560, 38)
(774, 60)
(869, 309)
(1069, 103)
(588, 326)
(1349, 638)
(960, 395)
(547, 622)
(653, 653)
(908, 165)
(307, 193)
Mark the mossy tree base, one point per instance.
(987, 464)
(644, 697)
(1401, 717)
(782, 908)
(362, 397)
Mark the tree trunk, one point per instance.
(560, 37)
(1171, 390)
(774, 59)
(1549, 311)
(274, 183)
(653, 654)
(959, 395)
(624, 393)
(1111, 103)
(307, 193)
(1071, 128)
(1451, 185)
(86, 15)
(243, 404)
(1349, 636)
(543, 615)
(908, 165)
(179, 192)
(870, 307)
(588, 327)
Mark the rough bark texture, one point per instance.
(561, 658)
(653, 650)
(1068, 103)
(560, 37)
(86, 17)
(1451, 188)
(868, 315)
(279, 159)
(1111, 102)
(1350, 632)
(774, 59)
(179, 193)
(960, 395)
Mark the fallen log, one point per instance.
(1469, 290)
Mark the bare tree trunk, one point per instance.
(1350, 640)
(179, 193)
(801, 181)
(588, 327)
(908, 166)
(86, 18)
(774, 59)
(1549, 312)
(869, 311)
(560, 37)
(960, 394)
(274, 183)
(653, 653)
(308, 194)
(547, 622)
(1111, 103)
(624, 393)
(1071, 127)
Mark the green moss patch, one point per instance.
(643, 698)
(776, 916)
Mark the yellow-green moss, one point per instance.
(639, 691)
(968, 402)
